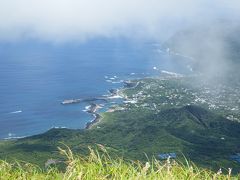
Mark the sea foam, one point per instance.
(16, 112)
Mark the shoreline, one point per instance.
(114, 93)
(94, 107)
(97, 117)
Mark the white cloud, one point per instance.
(61, 20)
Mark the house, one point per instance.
(167, 155)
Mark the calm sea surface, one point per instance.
(36, 77)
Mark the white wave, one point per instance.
(87, 108)
(58, 127)
(114, 82)
(155, 68)
(13, 136)
(16, 112)
(115, 97)
(171, 73)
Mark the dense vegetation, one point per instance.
(161, 120)
(190, 132)
(99, 165)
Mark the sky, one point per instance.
(80, 20)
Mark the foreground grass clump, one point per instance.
(99, 165)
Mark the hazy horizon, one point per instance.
(70, 20)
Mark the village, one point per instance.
(157, 94)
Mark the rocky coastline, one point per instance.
(114, 93)
(94, 107)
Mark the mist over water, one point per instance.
(213, 48)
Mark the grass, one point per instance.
(99, 165)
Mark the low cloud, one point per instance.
(79, 20)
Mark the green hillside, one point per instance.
(190, 130)
(146, 128)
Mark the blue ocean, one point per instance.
(35, 77)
